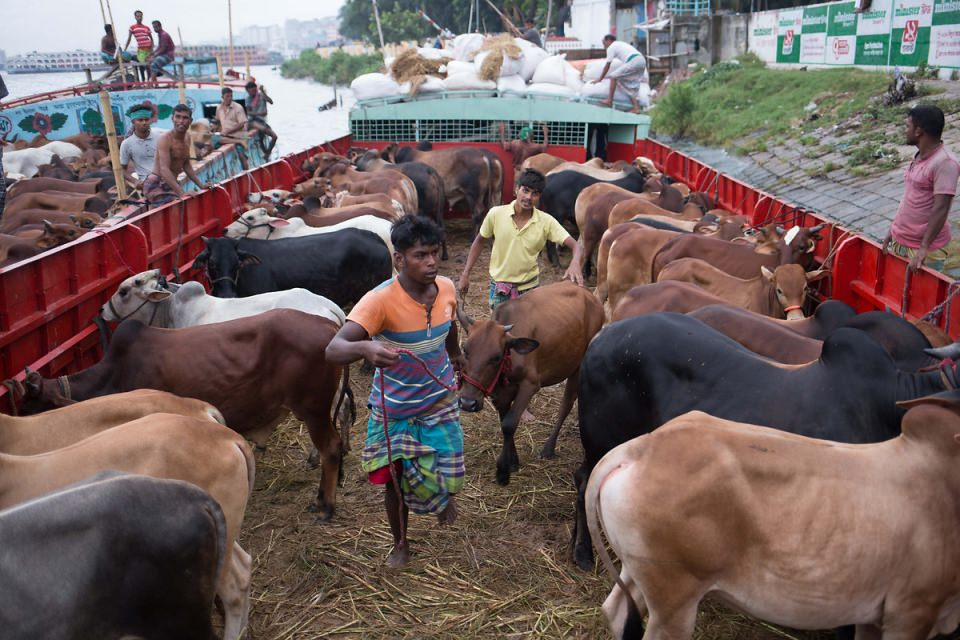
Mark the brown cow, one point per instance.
(759, 333)
(30, 435)
(743, 261)
(590, 168)
(778, 293)
(679, 297)
(14, 248)
(328, 217)
(161, 445)
(342, 175)
(253, 369)
(534, 341)
(542, 162)
(13, 221)
(34, 185)
(629, 260)
(59, 201)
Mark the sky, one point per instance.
(64, 25)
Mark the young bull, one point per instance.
(806, 533)
(533, 341)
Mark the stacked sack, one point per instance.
(555, 76)
(601, 90)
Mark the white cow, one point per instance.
(66, 150)
(26, 161)
(145, 298)
(804, 533)
(274, 196)
(257, 224)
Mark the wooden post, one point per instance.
(230, 21)
(220, 72)
(246, 57)
(182, 87)
(376, 15)
(123, 69)
(89, 75)
(111, 130)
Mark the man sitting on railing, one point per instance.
(163, 54)
(108, 48)
(173, 156)
(257, 101)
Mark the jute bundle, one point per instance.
(410, 64)
(498, 46)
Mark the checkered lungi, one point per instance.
(629, 75)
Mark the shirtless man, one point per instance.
(173, 156)
(524, 147)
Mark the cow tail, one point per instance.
(595, 524)
(345, 392)
(495, 187)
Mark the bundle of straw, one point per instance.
(498, 46)
(410, 64)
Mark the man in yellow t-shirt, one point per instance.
(519, 231)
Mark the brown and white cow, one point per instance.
(534, 341)
(161, 445)
(542, 162)
(778, 293)
(805, 533)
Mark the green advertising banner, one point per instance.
(910, 36)
(813, 36)
(789, 26)
(841, 42)
(873, 35)
(945, 34)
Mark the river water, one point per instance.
(293, 115)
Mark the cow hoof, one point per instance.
(584, 559)
(324, 513)
(514, 467)
(547, 453)
(503, 478)
(313, 460)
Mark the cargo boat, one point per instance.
(47, 302)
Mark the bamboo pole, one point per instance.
(180, 35)
(220, 72)
(230, 21)
(376, 14)
(104, 14)
(123, 68)
(110, 129)
(182, 86)
(546, 31)
(246, 58)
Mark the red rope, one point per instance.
(386, 430)
(106, 235)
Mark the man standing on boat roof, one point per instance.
(144, 39)
(919, 231)
(524, 147)
(628, 75)
(406, 328)
(164, 53)
(257, 101)
(529, 33)
(520, 231)
(173, 156)
(139, 150)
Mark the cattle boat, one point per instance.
(47, 302)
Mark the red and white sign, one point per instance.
(841, 47)
(909, 43)
(788, 42)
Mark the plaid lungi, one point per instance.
(430, 451)
(158, 192)
(629, 75)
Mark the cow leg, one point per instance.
(509, 460)
(860, 632)
(915, 624)
(582, 545)
(234, 592)
(673, 609)
(566, 403)
(553, 256)
(327, 441)
(625, 610)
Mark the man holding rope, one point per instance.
(405, 328)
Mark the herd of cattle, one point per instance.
(711, 411)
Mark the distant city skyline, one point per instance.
(52, 25)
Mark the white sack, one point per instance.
(592, 71)
(459, 66)
(532, 57)
(374, 85)
(512, 84)
(465, 45)
(510, 66)
(432, 53)
(468, 81)
(551, 89)
(553, 70)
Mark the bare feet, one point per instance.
(448, 515)
(606, 102)
(399, 555)
(635, 110)
(527, 416)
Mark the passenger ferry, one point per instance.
(46, 303)
(56, 62)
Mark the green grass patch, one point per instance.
(340, 68)
(733, 99)
(806, 141)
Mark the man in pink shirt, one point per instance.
(919, 230)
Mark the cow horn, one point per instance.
(950, 351)
(780, 229)
(507, 328)
(818, 227)
(463, 318)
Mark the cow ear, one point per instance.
(767, 274)
(247, 259)
(201, 260)
(48, 227)
(819, 274)
(158, 295)
(276, 223)
(522, 345)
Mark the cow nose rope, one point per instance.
(505, 368)
(386, 429)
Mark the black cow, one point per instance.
(342, 265)
(115, 556)
(640, 372)
(559, 197)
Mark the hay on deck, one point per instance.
(498, 46)
(410, 65)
